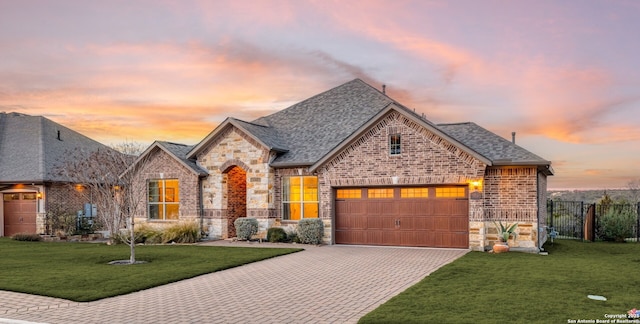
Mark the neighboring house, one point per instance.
(375, 172)
(31, 148)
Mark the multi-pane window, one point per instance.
(299, 197)
(414, 192)
(349, 193)
(164, 199)
(380, 193)
(394, 144)
(450, 192)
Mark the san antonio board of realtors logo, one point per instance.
(634, 313)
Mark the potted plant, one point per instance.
(504, 232)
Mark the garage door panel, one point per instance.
(373, 237)
(381, 207)
(375, 222)
(19, 213)
(458, 224)
(416, 221)
(441, 223)
(406, 223)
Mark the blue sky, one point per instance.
(562, 74)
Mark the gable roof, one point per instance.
(311, 131)
(308, 130)
(176, 151)
(30, 148)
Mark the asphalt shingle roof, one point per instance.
(490, 145)
(180, 151)
(312, 128)
(30, 149)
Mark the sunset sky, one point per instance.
(564, 75)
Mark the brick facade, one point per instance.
(62, 198)
(506, 193)
(160, 165)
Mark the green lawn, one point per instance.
(79, 271)
(523, 288)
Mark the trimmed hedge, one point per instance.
(310, 230)
(27, 237)
(245, 228)
(276, 234)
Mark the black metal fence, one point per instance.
(579, 220)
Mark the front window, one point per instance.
(299, 198)
(164, 199)
(394, 144)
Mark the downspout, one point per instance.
(538, 212)
(201, 204)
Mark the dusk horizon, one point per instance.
(561, 75)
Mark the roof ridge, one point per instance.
(173, 143)
(458, 123)
(316, 96)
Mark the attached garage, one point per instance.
(435, 216)
(19, 213)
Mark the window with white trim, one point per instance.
(299, 197)
(395, 147)
(164, 199)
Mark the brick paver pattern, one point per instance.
(326, 284)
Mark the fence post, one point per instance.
(638, 224)
(594, 222)
(550, 209)
(582, 219)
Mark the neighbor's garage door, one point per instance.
(19, 213)
(407, 216)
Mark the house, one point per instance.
(374, 171)
(31, 148)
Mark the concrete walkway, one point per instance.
(326, 284)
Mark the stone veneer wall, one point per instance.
(542, 208)
(425, 159)
(234, 148)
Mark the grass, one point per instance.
(523, 288)
(79, 271)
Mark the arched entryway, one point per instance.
(236, 197)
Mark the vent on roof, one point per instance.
(384, 89)
(513, 137)
(59, 138)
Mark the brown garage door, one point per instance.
(19, 213)
(412, 216)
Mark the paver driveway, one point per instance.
(327, 284)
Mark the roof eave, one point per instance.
(283, 165)
(543, 166)
(199, 173)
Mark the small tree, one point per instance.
(108, 179)
(634, 189)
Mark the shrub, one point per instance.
(187, 232)
(616, 225)
(276, 234)
(27, 237)
(310, 230)
(245, 228)
(143, 233)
